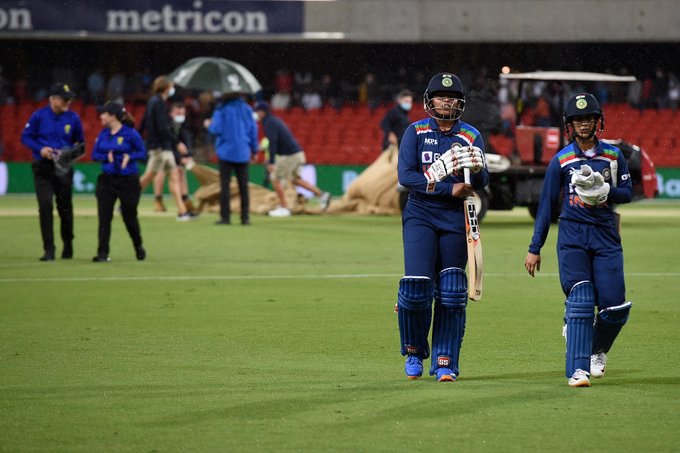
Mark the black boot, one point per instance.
(140, 253)
(67, 253)
(48, 256)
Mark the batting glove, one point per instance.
(441, 168)
(595, 195)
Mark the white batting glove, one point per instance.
(595, 195)
(441, 168)
(586, 178)
(470, 157)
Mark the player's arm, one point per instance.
(550, 196)
(410, 175)
(77, 134)
(622, 191)
(272, 133)
(99, 154)
(30, 136)
(137, 146)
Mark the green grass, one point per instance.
(281, 337)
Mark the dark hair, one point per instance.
(404, 93)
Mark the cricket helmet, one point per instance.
(449, 85)
(582, 104)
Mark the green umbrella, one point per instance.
(215, 74)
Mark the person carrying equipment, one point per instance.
(432, 157)
(591, 177)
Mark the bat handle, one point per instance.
(466, 174)
(615, 173)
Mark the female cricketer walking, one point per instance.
(591, 177)
(432, 156)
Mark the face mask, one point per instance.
(406, 106)
(171, 93)
(256, 117)
(179, 119)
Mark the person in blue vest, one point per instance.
(433, 154)
(119, 148)
(48, 132)
(590, 177)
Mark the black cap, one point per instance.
(261, 105)
(445, 82)
(112, 108)
(62, 90)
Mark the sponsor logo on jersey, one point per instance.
(625, 177)
(430, 141)
(426, 157)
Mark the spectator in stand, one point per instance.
(368, 91)
(286, 160)
(161, 141)
(673, 91)
(283, 82)
(233, 125)
(330, 92)
(660, 89)
(396, 120)
(311, 100)
(95, 87)
(281, 100)
(49, 130)
(119, 148)
(115, 89)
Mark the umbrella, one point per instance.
(215, 74)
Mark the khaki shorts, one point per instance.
(161, 160)
(289, 167)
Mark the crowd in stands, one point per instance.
(493, 104)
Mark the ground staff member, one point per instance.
(432, 157)
(286, 160)
(119, 147)
(235, 133)
(49, 130)
(590, 177)
(161, 141)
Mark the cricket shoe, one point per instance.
(279, 212)
(324, 201)
(598, 363)
(445, 375)
(413, 367)
(580, 378)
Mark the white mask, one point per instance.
(406, 105)
(171, 93)
(179, 119)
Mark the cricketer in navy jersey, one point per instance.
(433, 220)
(590, 177)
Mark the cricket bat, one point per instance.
(474, 246)
(614, 166)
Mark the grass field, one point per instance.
(281, 337)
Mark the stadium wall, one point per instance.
(403, 21)
(17, 178)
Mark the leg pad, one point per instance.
(608, 324)
(415, 314)
(449, 319)
(578, 316)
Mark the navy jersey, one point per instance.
(46, 128)
(557, 184)
(126, 141)
(281, 139)
(421, 145)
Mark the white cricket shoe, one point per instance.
(598, 362)
(279, 212)
(579, 379)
